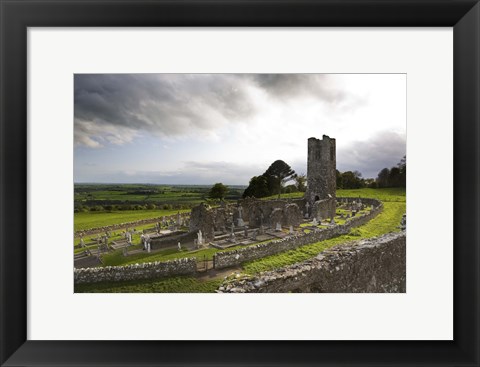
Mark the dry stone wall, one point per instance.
(376, 265)
(236, 257)
(151, 270)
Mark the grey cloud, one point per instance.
(385, 149)
(172, 105)
(162, 104)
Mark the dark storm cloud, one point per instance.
(385, 149)
(165, 105)
(115, 107)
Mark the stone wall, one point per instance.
(376, 265)
(152, 270)
(324, 209)
(236, 257)
(253, 211)
(172, 240)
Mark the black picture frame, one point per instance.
(18, 15)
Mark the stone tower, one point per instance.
(321, 178)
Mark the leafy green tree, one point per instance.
(402, 166)
(383, 177)
(339, 179)
(218, 191)
(352, 180)
(271, 181)
(290, 188)
(277, 174)
(394, 178)
(258, 187)
(301, 182)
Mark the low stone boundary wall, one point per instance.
(376, 265)
(151, 270)
(236, 257)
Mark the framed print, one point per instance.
(206, 152)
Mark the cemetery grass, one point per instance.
(167, 285)
(116, 258)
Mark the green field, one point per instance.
(87, 220)
(88, 195)
(387, 221)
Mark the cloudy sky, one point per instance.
(207, 128)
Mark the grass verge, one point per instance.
(169, 285)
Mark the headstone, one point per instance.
(278, 227)
(179, 246)
(291, 229)
(147, 242)
(82, 242)
(254, 234)
(262, 229)
(199, 237)
(314, 222)
(245, 231)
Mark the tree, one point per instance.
(258, 187)
(339, 179)
(218, 191)
(394, 179)
(271, 181)
(301, 182)
(402, 166)
(277, 174)
(382, 178)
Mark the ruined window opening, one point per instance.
(317, 198)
